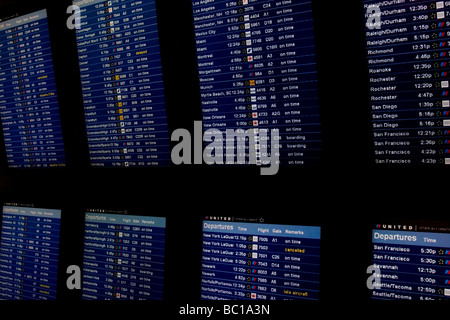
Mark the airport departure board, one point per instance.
(29, 106)
(413, 262)
(122, 83)
(408, 58)
(29, 251)
(123, 257)
(257, 73)
(257, 261)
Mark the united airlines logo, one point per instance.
(395, 227)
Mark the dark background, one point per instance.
(345, 194)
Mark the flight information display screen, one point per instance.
(408, 60)
(413, 262)
(122, 84)
(123, 257)
(29, 250)
(29, 107)
(257, 72)
(257, 261)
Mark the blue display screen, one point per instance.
(28, 99)
(257, 71)
(412, 265)
(29, 252)
(407, 53)
(253, 261)
(122, 84)
(123, 257)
